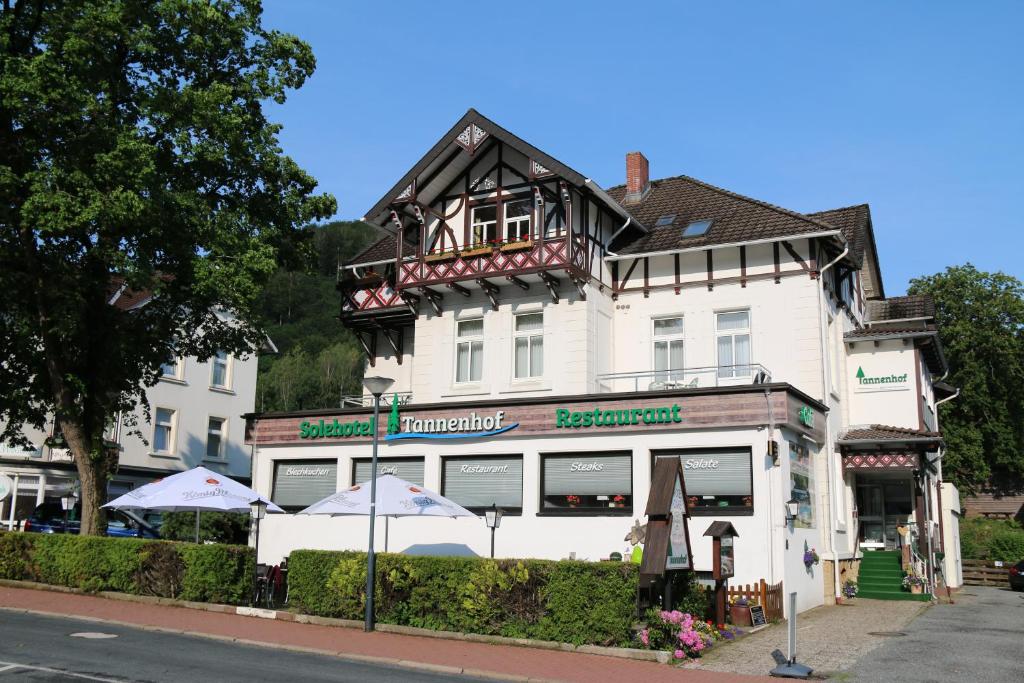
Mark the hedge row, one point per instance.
(566, 601)
(200, 573)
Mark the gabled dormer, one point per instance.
(482, 210)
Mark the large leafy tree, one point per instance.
(981, 324)
(135, 152)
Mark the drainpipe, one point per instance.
(771, 498)
(826, 370)
(616, 234)
(948, 398)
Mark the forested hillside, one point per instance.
(319, 359)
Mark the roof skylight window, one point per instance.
(665, 220)
(696, 228)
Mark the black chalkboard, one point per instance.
(757, 615)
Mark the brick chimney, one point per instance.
(638, 177)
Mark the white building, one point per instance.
(196, 418)
(596, 331)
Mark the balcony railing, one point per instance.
(366, 400)
(683, 378)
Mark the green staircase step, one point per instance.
(893, 595)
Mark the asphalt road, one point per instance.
(978, 639)
(41, 648)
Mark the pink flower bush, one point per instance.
(679, 633)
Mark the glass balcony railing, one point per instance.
(683, 378)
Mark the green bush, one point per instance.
(576, 602)
(203, 573)
(218, 527)
(15, 555)
(991, 539)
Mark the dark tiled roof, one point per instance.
(902, 308)
(382, 250)
(735, 218)
(873, 332)
(887, 433)
(854, 221)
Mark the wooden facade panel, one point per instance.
(541, 418)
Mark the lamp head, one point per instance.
(377, 385)
(258, 509)
(493, 516)
(792, 508)
(67, 501)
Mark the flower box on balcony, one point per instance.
(443, 256)
(517, 246)
(477, 251)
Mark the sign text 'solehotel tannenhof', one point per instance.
(893, 381)
(474, 425)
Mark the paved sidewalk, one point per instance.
(450, 656)
(828, 639)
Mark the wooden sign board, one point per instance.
(667, 546)
(757, 615)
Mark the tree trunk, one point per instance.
(93, 470)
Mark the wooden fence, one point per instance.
(769, 597)
(985, 573)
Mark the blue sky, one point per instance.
(914, 107)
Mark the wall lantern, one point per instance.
(493, 519)
(792, 509)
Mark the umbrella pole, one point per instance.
(386, 520)
(197, 526)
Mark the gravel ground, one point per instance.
(828, 639)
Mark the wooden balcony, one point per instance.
(487, 267)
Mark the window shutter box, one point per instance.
(409, 469)
(587, 474)
(300, 483)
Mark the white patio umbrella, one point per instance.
(194, 490)
(395, 498)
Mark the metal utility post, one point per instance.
(493, 519)
(376, 386)
(791, 669)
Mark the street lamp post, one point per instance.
(67, 502)
(376, 386)
(493, 519)
(257, 511)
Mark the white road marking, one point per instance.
(92, 635)
(70, 674)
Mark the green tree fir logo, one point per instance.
(393, 422)
(860, 372)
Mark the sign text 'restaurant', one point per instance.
(616, 418)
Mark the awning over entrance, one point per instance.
(881, 447)
(886, 461)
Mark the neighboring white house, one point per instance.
(587, 333)
(196, 411)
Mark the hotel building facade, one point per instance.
(579, 334)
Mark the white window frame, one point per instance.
(483, 226)
(733, 377)
(469, 340)
(671, 374)
(512, 226)
(178, 367)
(227, 371)
(223, 437)
(172, 439)
(531, 337)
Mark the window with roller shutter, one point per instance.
(409, 469)
(719, 481)
(478, 482)
(598, 483)
(300, 483)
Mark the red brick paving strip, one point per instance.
(482, 657)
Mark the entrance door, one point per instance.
(883, 506)
(871, 513)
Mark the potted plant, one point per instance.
(440, 255)
(913, 583)
(617, 501)
(517, 245)
(811, 557)
(739, 611)
(850, 589)
(477, 250)
(573, 501)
